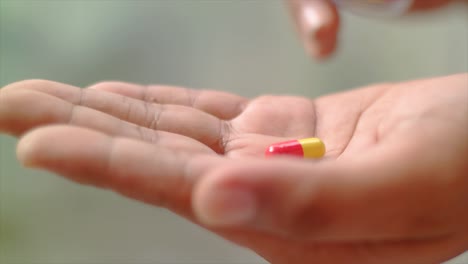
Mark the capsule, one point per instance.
(305, 148)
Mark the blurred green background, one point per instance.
(242, 46)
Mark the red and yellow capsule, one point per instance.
(306, 148)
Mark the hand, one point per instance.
(318, 22)
(393, 187)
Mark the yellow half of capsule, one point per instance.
(312, 147)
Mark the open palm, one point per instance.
(156, 143)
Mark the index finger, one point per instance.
(143, 171)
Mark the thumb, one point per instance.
(374, 197)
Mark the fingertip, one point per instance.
(326, 44)
(31, 145)
(240, 194)
(220, 200)
(25, 150)
(50, 145)
(29, 84)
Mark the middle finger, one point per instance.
(177, 119)
(22, 110)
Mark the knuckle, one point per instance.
(154, 116)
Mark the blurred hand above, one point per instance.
(318, 21)
(392, 188)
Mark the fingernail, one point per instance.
(228, 207)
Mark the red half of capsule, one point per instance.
(291, 147)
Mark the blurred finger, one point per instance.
(220, 104)
(317, 22)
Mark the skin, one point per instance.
(320, 36)
(392, 188)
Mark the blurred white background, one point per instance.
(247, 47)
